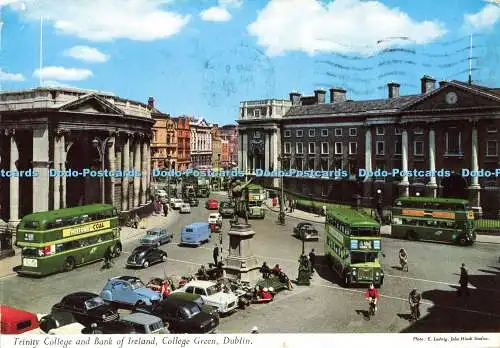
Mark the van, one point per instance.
(15, 321)
(195, 233)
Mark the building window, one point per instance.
(398, 149)
(352, 167)
(299, 133)
(418, 131)
(338, 132)
(380, 147)
(324, 132)
(287, 133)
(287, 148)
(298, 164)
(492, 148)
(397, 131)
(353, 132)
(353, 148)
(312, 148)
(338, 148)
(324, 163)
(337, 163)
(312, 132)
(256, 113)
(310, 164)
(418, 148)
(324, 148)
(492, 130)
(256, 134)
(299, 148)
(380, 131)
(453, 139)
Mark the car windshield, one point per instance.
(136, 284)
(153, 233)
(226, 205)
(94, 303)
(191, 310)
(211, 290)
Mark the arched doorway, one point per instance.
(454, 186)
(82, 190)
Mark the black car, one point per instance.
(85, 308)
(305, 231)
(146, 255)
(182, 316)
(194, 202)
(110, 328)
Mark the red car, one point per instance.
(212, 204)
(16, 321)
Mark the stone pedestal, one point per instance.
(241, 262)
(6, 249)
(475, 199)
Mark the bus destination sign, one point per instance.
(359, 244)
(93, 227)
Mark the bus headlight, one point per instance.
(377, 274)
(353, 272)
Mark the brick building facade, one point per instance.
(229, 135)
(164, 143)
(183, 132)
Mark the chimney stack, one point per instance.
(427, 84)
(337, 95)
(320, 96)
(442, 83)
(295, 98)
(393, 88)
(151, 102)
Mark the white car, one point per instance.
(212, 294)
(176, 203)
(185, 208)
(214, 218)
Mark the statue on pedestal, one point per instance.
(304, 277)
(238, 198)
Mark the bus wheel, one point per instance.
(145, 264)
(463, 240)
(117, 250)
(69, 264)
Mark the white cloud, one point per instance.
(216, 14)
(5, 76)
(60, 73)
(349, 26)
(87, 54)
(482, 20)
(141, 20)
(51, 83)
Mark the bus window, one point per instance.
(29, 252)
(361, 257)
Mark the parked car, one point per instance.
(144, 256)
(135, 323)
(194, 202)
(226, 209)
(212, 294)
(205, 307)
(212, 204)
(305, 231)
(182, 316)
(128, 291)
(70, 329)
(176, 203)
(85, 308)
(157, 236)
(214, 218)
(195, 234)
(185, 208)
(16, 321)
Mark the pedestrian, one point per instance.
(216, 255)
(165, 209)
(312, 260)
(294, 204)
(464, 281)
(107, 259)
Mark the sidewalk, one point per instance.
(385, 230)
(127, 234)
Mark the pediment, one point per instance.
(91, 104)
(455, 96)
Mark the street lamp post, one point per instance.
(281, 159)
(101, 146)
(219, 183)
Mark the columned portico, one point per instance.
(475, 188)
(144, 171)
(41, 165)
(14, 181)
(432, 184)
(59, 159)
(126, 167)
(112, 166)
(137, 168)
(404, 185)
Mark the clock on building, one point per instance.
(451, 98)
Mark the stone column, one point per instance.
(245, 110)
(475, 188)
(432, 185)
(41, 165)
(63, 154)
(404, 185)
(112, 168)
(118, 166)
(137, 167)
(126, 167)
(144, 171)
(268, 109)
(267, 154)
(245, 153)
(56, 144)
(368, 150)
(14, 181)
(240, 150)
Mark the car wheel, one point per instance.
(158, 244)
(69, 264)
(145, 264)
(462, 240)
(164, 258)
(117, 250)
(139, 303)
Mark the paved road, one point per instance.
(323, 307)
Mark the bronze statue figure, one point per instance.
(237, 197)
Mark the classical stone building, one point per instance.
(164, 141)
(61, 129)
(183, 133)
(229, 134)
(449, 127)
(201, 144)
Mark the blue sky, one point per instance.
(203, 57)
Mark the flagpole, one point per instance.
(41, 50)
(470, 60)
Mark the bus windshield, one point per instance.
(30, 252)
(364, 232)
(362, 257)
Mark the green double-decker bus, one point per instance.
(59, 240)
(445, 220)
(353, 247)
(254, 195)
